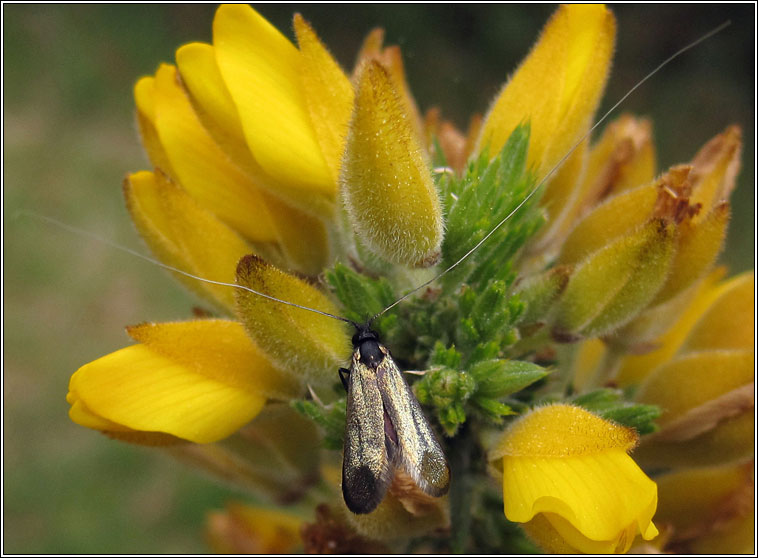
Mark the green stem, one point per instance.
(461, 489)
(608, 368)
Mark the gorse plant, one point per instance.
(583, 327)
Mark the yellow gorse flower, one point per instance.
(270, 164)
(567, 476)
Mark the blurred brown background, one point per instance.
(69, 138)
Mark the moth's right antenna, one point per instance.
(552, 171)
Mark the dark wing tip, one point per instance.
(363, 490)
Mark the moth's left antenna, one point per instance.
(92, 236)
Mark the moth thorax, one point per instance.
(366, 342)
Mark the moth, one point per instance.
(385, 428)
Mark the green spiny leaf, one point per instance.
(611, 405)
(498, 378)
(361, 296)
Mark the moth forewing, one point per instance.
(366, 470)
(418, 452)
(385, 429)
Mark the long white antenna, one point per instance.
(87, 234)
(557, 165)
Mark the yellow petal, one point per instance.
(202, 167)
(560, 198)
(689, 381)
(634, 368)
(142, 390)
(329, 94)
(234, 359)
(309, 345)
(729, 321)
(295, 214)
(261, 70)
(387, 186)
(732, 440)
(184, 235)
(216, 109)
(144, 98)
(303, 238)
(202, 79)
(80, 414)
(557, 87)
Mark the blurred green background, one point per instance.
(69, 139)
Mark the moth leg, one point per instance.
(344, 373)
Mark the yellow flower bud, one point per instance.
(391, 59)
(615, 283)
(615, 217)
(385, 180)
(310, 346)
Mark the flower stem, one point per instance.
(461, 489)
